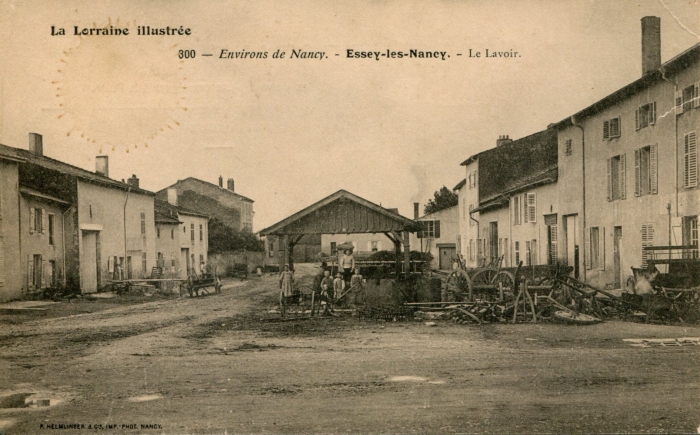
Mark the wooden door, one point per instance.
(617, 237)
(446, 255)
(88, 265)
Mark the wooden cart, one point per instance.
(195, 283)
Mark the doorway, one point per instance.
(570, 242)
(185, 261)
(493, 240)
(88, 265)
(446, 253)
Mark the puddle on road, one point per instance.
(413, 379)
(29, 400)
(145, 398)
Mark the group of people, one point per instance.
(347, 288)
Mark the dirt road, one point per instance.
(208, 365)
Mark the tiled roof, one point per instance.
(65, 168)
(210, 186)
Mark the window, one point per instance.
(35, 272)
(192, 232)
(374, 246)
(530, 206)
(157, 231)
(271, 248)
(334, 249)
(687, 98)
(431, 230)
(201, 232)
(517, 253)
(690, 160)
(690, 236)
(51, 229)
(645, 170)
(647, 240)
(143, 223)
(517, 211)
(568, 148)
(616, 177)
(645, 116)
(611, 128)
(172, 233)
(201, 262)
(36, 220)
(144, 267)
(596, 244)
(472, 179)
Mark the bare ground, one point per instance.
(209, 365)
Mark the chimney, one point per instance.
(651, 44)
(172, 196)
(503, 140)
(229, 184)
(221, 181)
(416, 210)
(102, 165)
(133, 181)
(36, 144)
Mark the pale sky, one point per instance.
(292, 131)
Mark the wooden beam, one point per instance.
(407, 252)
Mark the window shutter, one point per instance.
(44, 225)
(601, 248)
(637, 173)
(636, 119)
(30, 272)
(690, 160)
(587, 243)
(609, 177)
(696, 95)
(679, 102)
(437, 229)
(653, 168)
(44, 272)
(606, 130)
(615, 127)
(623, 174)
(647, 240)
(532, 206)
(652, 113)
(32, 220)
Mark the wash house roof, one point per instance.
(342, 213)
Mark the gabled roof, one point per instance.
(678, 63)
(65, 168)
(209, 186)
(168, 213)
(545, 176)
(460, 184)
(471, 158)
(342, 213)
(508, 166)
(428, 216)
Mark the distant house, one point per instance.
(230, 208)
(181, 238)
(440, 237)
(73, 226)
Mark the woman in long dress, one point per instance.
(286, 291)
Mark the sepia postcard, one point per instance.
(380, 216)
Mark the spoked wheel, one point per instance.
(457, 287)
(483, 281)
(505, 281)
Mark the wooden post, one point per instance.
(406, 252)
(397, 254)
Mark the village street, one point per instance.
(209, 365)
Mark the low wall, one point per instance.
(224, 262)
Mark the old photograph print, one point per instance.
(330, 217)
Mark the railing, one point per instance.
(671, 254)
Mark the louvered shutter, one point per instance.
(623, 174)
(601, 248)
(679, 102)
(30, 272)
(636, 119)
(437, 229)
(690, 160)
(588, 248)
(637, 173)
(609, 177)
(44, 272)
(32, 220)
(696, 95)
(652, 113)
(654, 168)
(647, 240)
(606, 130)
(532, 206)
(44, 217)
(526, 215)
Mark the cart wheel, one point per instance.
(486, 276)
(457, 286)
(507, 279)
